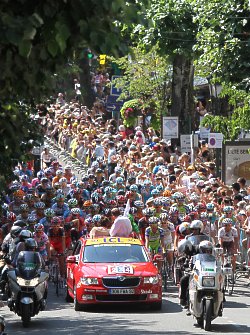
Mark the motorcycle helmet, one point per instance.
(184, 246)
(24, 234)
(206, 247)
(30, 244)
(197, 224)
(15, 231)
(19, 223)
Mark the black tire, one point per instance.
(77, 306)
(164, 275)
(156, 306)
(57, 281)
(200, 321)
(207, 314)
(26, 315)
(68, 298)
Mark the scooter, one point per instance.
(28, 285)
(206, 286)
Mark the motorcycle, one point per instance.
(206, 288)
(28, 286)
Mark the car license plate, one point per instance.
(121, 291)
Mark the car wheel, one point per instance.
(77, 306)
(156, 306)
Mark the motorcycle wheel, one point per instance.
(26, 315)
(207, 314)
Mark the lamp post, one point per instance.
(215, 90)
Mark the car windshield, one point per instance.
(125, 253)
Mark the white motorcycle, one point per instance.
(206, 286)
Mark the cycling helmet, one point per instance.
(99, 159)
(59, 191)
(30, 244)
(147, 182)
(173, 210)
(59, 172)
(62, 180)
(139, 204)
(155, 192)
(111, 203)
(91, 176)
(194, 197)
(72, 203)
(107, 211)
(196, 224)
(40, 174)
(166, 201)
(200, 206)
(75, 211)
(210, 206)
(118, 169)
(24, 234)
(18, 193)
(157, 202)
(88, 221)
(97, 218)
(108, 189)
(49, 212)
(96, 207)
(15, 231)
(160, 188)
(119, 180)
(105, 183)
(228, 209)
(153, 220)
(98, 170)
(167, 193)
(77, 191)
(183, 227)
(29, 197)
(184, 246)
(133, 188)
(60, 196)
(87, 203)
(85, 178)
(32, 218)
(39, 227)
(120, 199)
(133, 210)
(163, 217)
(121, 209)
(131, 179)
(56, 221)
(148, 211)
(206, 247)
(39, 205)
(24, 208)
(227, 221)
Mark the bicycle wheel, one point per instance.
(57, 279)
(164, 274)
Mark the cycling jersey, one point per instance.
(154, 239)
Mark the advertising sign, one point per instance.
(170, 127)
(215, 140)
(235, 161)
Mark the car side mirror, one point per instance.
(71, 259)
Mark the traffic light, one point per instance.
(102, 59)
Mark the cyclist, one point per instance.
(228, 239)
(154, 240)
(42, 241)
(169, 232)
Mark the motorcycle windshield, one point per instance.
(205, 257)
(196, 239)
(28, 264)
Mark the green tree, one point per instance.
(37, 39)
(146, 76)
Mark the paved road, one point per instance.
(60, 318)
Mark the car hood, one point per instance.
(100, 269)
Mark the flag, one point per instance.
(127, 209)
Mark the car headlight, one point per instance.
(208, 281)
(27, 282)
(151, 280)
(89, 281)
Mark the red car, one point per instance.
(112, 270)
